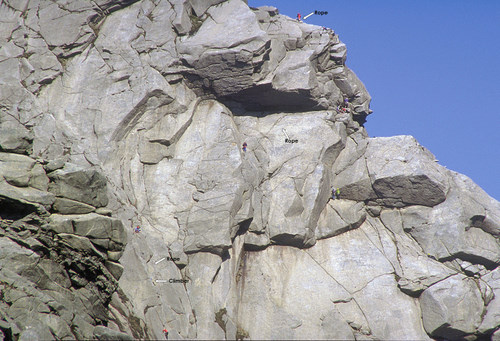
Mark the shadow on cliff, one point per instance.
(265, 98)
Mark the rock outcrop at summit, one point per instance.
(220, 130)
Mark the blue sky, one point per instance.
(432, 68)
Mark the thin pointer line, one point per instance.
(307, 16)
(160, 260)
(284, 132)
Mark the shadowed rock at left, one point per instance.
(59, 263)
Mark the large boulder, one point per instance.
(394, 172)
(15, 138)
(22, 171)
(221, 56)
(103, 231)
(68, 206)
(96, 226)
(399, 172)
(16, 194)
(446, 230)
(416, 271)
(16, 168)
(84, 185)
(452, 308)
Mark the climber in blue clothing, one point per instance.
(345, 107)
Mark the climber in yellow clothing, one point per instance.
(335, 193)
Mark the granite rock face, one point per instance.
(57, 271)
(58, 268)
(219, 130)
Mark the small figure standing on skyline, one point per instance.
(299, 17)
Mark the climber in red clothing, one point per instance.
(165, 331)
(344, 107)
(299, 17)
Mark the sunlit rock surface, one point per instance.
(218, 131)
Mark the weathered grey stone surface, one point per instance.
(492, 285)
(16, 168)
(103, 333)
(96, 226)
(445, 231)
(84, 185)
(14, 137)
(68, 206)
(26, 194)
(123, 114)
(338, 217)
(48, 273)
(394, 172)
(452, 308)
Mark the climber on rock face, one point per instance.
(137, 229)
(165, 331)
(335, 193)
(344, 107)
(244, 146)
(346, 103)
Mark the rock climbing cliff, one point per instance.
(118, 114)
